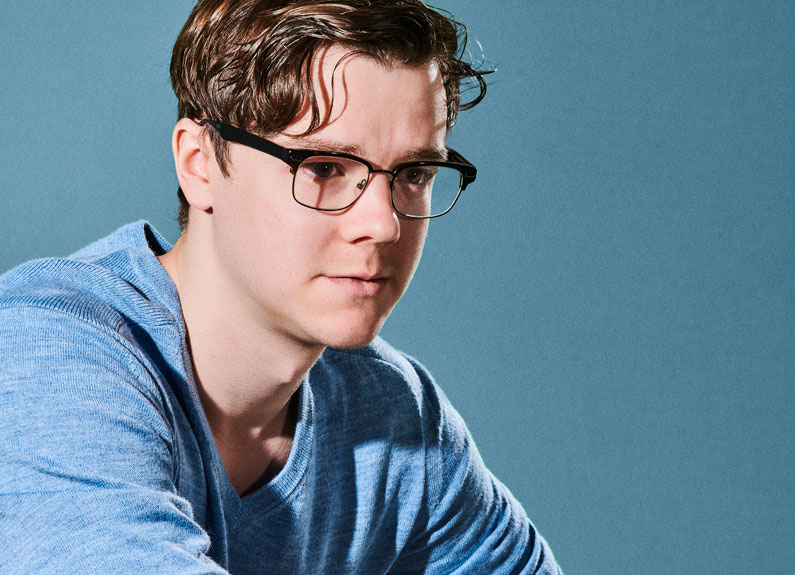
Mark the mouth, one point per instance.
(359, 286)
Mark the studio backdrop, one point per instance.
(611, 306)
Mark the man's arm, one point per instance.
(86, 456)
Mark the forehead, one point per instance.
(365, 102)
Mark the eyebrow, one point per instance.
(431, 154)
(315, 144)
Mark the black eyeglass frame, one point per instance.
(294, 158)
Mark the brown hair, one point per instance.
(245, 62)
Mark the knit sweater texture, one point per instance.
(108, 464)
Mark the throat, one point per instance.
(250, 472)
(253, 459)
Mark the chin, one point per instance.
(351, 341)
(353, 336)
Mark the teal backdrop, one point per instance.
(610, 306)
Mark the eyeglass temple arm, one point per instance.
(232, 134)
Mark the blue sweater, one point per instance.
(108, 464)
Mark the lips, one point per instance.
(365, 285)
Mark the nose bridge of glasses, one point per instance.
(363, 183)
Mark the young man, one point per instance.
(225, 405)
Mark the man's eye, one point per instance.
(323, 169)
(417, 176)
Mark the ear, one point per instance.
(191, 159)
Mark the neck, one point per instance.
(246, 372)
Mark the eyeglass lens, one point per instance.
(334, 183)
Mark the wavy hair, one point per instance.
(246, 62)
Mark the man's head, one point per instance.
(355, 83)
(247, 62)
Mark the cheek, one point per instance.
(264, 232)
(285, 242)
(412, 240)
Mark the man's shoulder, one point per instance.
(380, 377)
(379, 357)
(98, 284)
(87, 324)
(57, 287)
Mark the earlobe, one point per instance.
(191, 159)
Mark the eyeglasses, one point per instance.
(333, 181)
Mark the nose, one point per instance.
(372, 217)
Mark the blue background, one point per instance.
(610, 306)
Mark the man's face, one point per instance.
(329, 278)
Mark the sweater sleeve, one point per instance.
(87, 459)
(474, 524)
